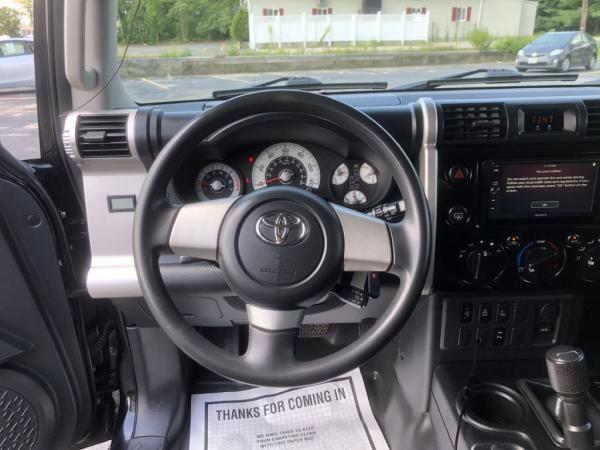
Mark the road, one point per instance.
(18, 127)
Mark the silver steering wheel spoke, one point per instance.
(195, 230)
(367, 242)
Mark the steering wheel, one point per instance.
(281, 249)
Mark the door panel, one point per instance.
(43, 374)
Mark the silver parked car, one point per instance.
(16, 63)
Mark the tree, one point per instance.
(583, 15)
(27, 6)
(239, 26)
(10, 21)
(167, 20)
(558, 15)
(215, 18)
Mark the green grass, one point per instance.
(175, 53)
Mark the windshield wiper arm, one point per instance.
(491, 76)
(302, 83)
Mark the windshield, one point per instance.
(188, 49)
(553, 39)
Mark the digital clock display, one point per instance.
(543, 121)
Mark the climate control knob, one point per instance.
(482, 262)
(588, 266)
(540, 262)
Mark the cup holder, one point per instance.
(494, 406)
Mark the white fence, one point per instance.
(326, 29)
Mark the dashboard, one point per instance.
(511, 177)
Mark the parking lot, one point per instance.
(18, 127)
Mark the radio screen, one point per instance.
(557, 189)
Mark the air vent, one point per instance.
(102, 136)
(593, 118)
(474, 121)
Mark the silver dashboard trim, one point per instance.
(428, 173)
(112, 271)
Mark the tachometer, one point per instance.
(288, 164)
(218, 180)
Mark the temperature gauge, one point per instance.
(368, 174)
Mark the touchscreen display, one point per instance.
(545, 189)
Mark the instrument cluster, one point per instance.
(353, 181)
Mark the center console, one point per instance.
(520, 212)
(517, 263)
(514, 223)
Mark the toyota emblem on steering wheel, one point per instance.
(281, 228)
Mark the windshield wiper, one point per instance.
(302, 83)
(490, 76)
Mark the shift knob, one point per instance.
(567, 371)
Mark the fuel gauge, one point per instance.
(340, 175)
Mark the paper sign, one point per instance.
(332, 415)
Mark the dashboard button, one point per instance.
(466, 314)
(574, 240)
(548, 312)
(459, 174)
(458, 215)
(520, 312)
(517, 336)
(499, 336)
(464, 337)
(512, 241)
(503, 312)
(483, 336)
(484, 312)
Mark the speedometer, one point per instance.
(288, 164)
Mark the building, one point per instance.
(441, 20)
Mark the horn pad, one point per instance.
(281, 247)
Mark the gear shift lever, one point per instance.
(569, 379)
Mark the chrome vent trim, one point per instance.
(473, 121)
(66, 139)
(102, 135)
(593, 118)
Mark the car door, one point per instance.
(590, 48)
(17, 64)
(577, 45)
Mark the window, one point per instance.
(371, 6)
(577, 39)
(321, 11)
(461, 14)
(14, 48)
(272, 12)
(422, 10)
